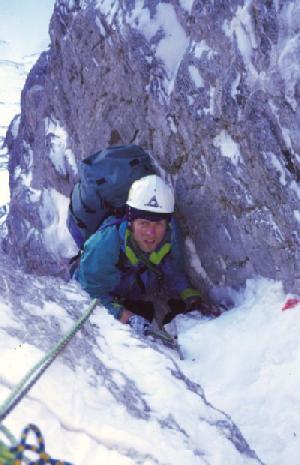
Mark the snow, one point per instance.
(297, 215)
(242, 29)
(228, 147)
(196, 76)
(15, 126)
(247, 362)
(194, 260)
(296, 188)
(187, 5)
(60, 154)
(165, 21)
(53, 213)
(201, 47)
(101, 28)
(289, 50)
(279, 168)
(4, 189)
(108, 8)
(234, 86)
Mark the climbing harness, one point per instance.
(13, 454)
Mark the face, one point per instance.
(148, 234)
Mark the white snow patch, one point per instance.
(4, 187)
(187, 5)
(287, 64)
(278, 166)
(296, 188)
(7, 315)
(234, 86)
(100, 26)
(191, 100)
(15, 126)
(172, 125)
(210, 110)
(242, 28)
(297, 215)
(174, 43)
(228, 147)
(194, 259)
(53, 213)
(60, 154)
(196, 76)
(201, 47)
(108, 8)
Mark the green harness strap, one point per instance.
(144, 259)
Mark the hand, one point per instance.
(202, 307)
(126, 314)
(207, 310)
(139, 324)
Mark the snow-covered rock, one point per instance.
(110, 397)
(210, 89)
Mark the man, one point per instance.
(128, 262)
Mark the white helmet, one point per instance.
(151, 194)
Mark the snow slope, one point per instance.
(121, 399)
(118, 398)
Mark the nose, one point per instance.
(151, 231)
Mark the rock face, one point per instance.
(210, 89)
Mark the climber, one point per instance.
(128, 263)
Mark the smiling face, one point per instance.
(148, 234)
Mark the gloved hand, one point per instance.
(139, 324)
(206, 310)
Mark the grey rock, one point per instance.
(220, 118)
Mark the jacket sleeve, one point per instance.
(177, 281)
(98, 274)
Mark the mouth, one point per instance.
(149, 242)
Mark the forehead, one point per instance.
(144, 221)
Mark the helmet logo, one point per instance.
(153, 203)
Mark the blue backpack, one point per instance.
(102, 190)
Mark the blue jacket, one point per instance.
(111, 270)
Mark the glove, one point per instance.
(206, 310)
(139, 324)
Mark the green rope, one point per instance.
(6, 456)
(39, 368)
